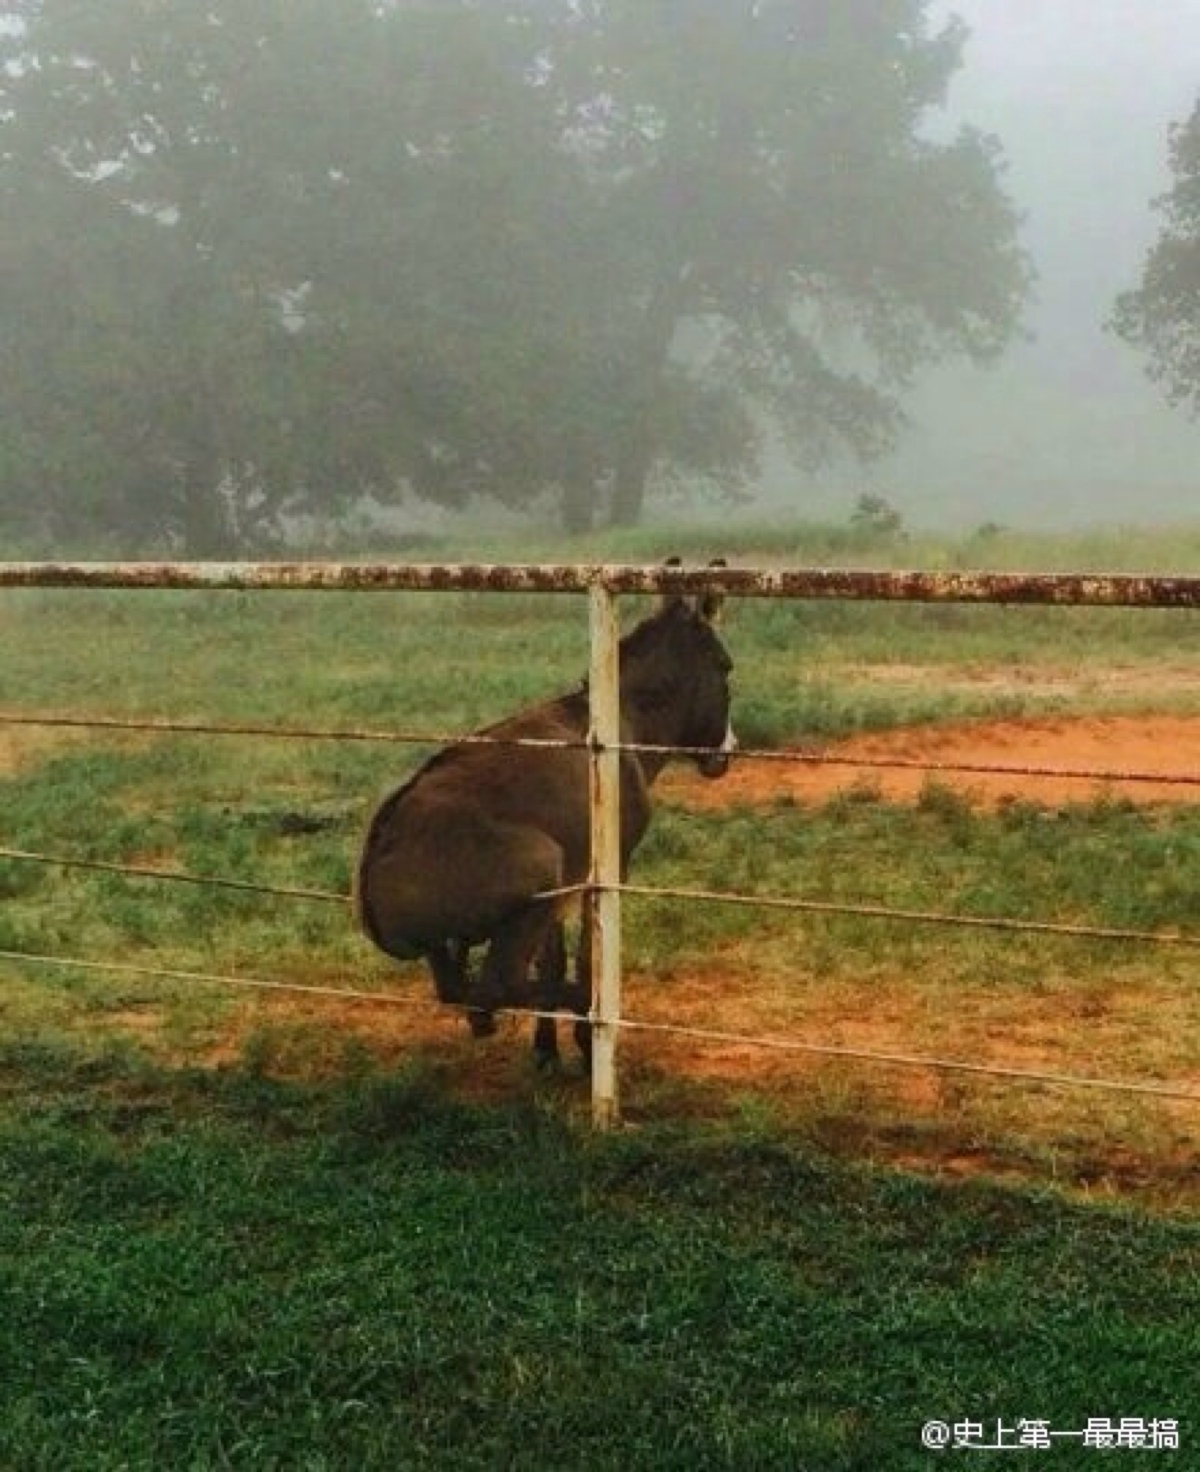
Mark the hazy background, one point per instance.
(271, 275)
(1066, 428)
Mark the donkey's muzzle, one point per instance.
(715, 763)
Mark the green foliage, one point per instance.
(878, 519)
(230, 1272)
(1162, 316)
(272, 258)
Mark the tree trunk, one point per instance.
(629, 484)
(637, 456)
(203, 519)
(578, 505)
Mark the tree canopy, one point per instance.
(1162, 316)
(275, 256)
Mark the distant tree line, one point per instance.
(1162, 316)
(263, 258)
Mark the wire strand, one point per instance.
(919, 764)
(699, 1034)
(175, 876)
(909, 1060)
(156, 725)
(919, 917)
(727, 897)
(216, 881)
(166, 726)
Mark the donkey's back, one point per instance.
(476, 833)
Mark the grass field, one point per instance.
(223, 1270)
(284, 1232)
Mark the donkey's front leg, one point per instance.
(578, 996)
(550, 973)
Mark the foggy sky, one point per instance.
(1067, 428)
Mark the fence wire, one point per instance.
(914, 917)
(1000, 588)
(153, 725)
(173, 876)
(919, 1061)
(794, 903)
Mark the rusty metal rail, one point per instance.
(1076, 589)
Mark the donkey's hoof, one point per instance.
(482, 1024)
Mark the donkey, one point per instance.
(464, 853)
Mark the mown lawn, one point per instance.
(220, 1270)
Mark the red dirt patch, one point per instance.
(1146, 745)
(22, 746)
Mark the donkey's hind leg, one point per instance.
(504, 976)
(449, 962)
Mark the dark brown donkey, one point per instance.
(459, 855)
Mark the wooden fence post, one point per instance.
(605, 907)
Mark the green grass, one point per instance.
(1164, 549)
(962, 993)
(224, 1271)
(807, 669)
(1076, 863)
(282, 1238)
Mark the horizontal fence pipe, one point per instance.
(914, 586)
(699, 1034)
(914, 917)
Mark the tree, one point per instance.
(774, 201)
(1162, 316)
(276, 255)
(154, 394)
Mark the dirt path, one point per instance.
(1132, 744)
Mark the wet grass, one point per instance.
(1098, 1008)
(228, 1271)
(262, 1241)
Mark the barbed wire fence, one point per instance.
(604, 584)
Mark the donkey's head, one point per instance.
(675, 680)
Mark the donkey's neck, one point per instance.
(651, 724)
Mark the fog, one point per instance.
(1067, 428)
(267, 270)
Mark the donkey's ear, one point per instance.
(667, 601)
(709, 605)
